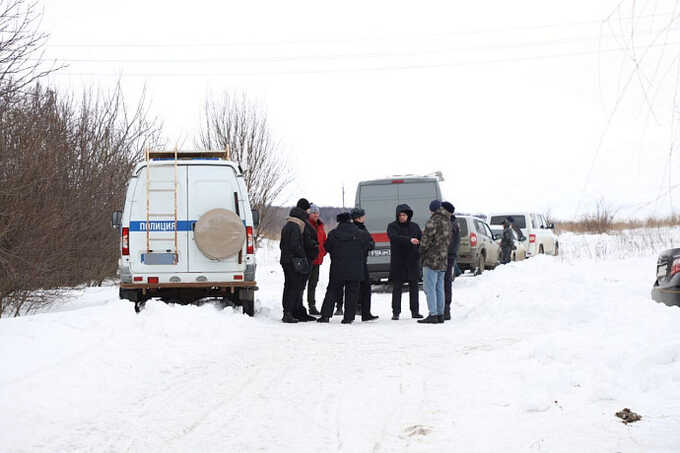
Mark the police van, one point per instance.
(380, 198)
(186, 231)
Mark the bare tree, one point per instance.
(242, 127)
(21, 46)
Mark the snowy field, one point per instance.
(538, 358)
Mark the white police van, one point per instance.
(187, 231)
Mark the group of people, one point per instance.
(304, 245)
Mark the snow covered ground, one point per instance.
(539, 357)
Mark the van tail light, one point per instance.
(473, 240)
(125, 241)
(249, 241)
(676, 266)
(532, 238)
(153, 280)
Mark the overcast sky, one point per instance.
(536, 105)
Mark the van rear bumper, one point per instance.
(243, 284)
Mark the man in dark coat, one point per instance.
(453, 258)
(347, 250)
(359, 217)
(405, 238)
(507, 241)
(292, 246)
(311, 246)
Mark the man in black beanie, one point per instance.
(347, 251)
(311, 246)
(359, 217)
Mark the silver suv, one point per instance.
(478, 250)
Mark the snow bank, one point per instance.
(539, 357)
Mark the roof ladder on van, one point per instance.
(151, 216)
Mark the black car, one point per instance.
(667, 285)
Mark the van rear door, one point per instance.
(161, 227)
(211, 187)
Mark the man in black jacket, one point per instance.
(311, 246)
(405, 237)
(453, 257)
(347, 250)
(359, 217)
(292, 246)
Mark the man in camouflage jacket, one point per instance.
(434, 252)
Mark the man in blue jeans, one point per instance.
(434, 252)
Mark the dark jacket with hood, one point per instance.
(347, 249)
(455, 239)
(436, 240)
(405, 257)
(369, 244)
(292, 240)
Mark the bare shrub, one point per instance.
(243, 128)
(64, 164)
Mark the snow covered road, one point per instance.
(539, 357)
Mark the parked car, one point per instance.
(186, 231)
(379, 198)
(478, 249)
(520, 253)
(541, 234)
(666, 287)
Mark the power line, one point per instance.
(344, 40)
(395, 67)
(521, 45)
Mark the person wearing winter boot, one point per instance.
(452, 258)
(292, 246)
(507, 241)
(311, 246)
(359, 217)
(316, 222)
(346, 248)
(434, 249)
(405, 259)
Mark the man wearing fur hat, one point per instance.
(405, 238)
(359, 217)
(434, 250)
(347, 249)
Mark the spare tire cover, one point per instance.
(219, 234)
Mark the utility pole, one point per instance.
(343, 195)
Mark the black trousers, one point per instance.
(449, 277)
(311, 285)
(506, 254)
(365, 298)
(293, 286)
(351, 296)
(413, 296)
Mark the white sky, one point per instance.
(514, 102)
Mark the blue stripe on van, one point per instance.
(161, 225)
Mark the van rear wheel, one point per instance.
(247, 300)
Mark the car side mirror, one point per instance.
(116, 219)
(496, 236)
(551, 226)
(256, 218)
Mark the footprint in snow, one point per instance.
(417, 430)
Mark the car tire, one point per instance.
(557, 249)
(540, 250)
(247, 300)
